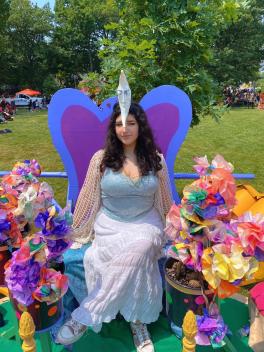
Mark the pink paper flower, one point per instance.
(250, 229)
(173, 222)
(201, 166)
(220, 163)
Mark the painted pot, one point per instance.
(180, 298)
(5, 255)
(58, 266)
(44, 316)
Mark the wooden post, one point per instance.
(189, 328)
(26, 332)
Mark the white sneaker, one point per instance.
(70, 332)
(141, 337)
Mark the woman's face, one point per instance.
(128, 135)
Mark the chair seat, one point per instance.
(116, 335)
(10, 329)
(10, 345)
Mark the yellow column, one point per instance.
(189, 327)
(26, 332)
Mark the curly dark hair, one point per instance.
(146, 149)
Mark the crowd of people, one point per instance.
(8, 108)
(247, 97)
(7, 111)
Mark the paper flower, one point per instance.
(4, 227)
(56, 225)
(27, 168)
(8, 202)
(220, 163)
(57, 247)
(51, 287)
(22, 276)
(28, 278)
(219, 263)
(174, 223)
(223, 182)
(216, 231)
(188, 253)
(211, 327)
(202, 165)
(45, 195)
(26, 202)
(14, 231)
(250, 229)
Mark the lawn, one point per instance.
(238, 137)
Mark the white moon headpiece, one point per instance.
(124, 97)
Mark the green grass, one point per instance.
(30, 139)
(238, 137)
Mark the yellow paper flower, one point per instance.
(230, 266)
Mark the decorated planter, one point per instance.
(44, 315)
(5, 255)
(181, 298)
(210, 248)
(58, 266)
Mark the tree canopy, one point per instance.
(198, 45)
(239, 49)
(167, 42)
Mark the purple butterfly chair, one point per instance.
(78, 128)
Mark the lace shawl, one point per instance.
(89, 200)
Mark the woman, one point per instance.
(125, 198)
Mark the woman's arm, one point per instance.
(88, 202)
(163, 198)
(165, 187)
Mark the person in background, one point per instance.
(30, 105)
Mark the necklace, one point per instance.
(134, 181)
(134, 178)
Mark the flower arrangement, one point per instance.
(25, 200)
(55, 230)
(28, 277)
(208, 240)
(22, 197)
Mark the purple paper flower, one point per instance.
(22, 279)
(5, 226)
(259, 254)
(61, 227)
(53, 224)
(57, 247)
(41, 221)
(211, 325)
(220, 200)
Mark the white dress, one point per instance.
(121, 266)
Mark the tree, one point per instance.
(4, 13)
(79, 25)
(239, 50)
(50, 85)
(28, 31)
(166, 42)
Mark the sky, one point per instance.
(43, 2)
